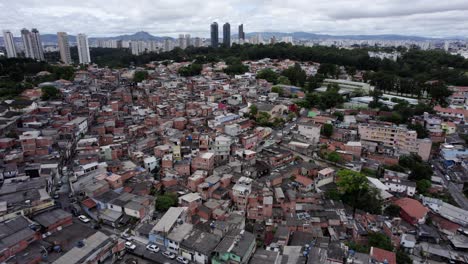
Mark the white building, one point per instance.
(310, 131)
(150, 163)
(64, 47)
(83, 49)
(396, 184)
(9, 44)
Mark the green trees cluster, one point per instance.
(165, 201)
(403, 112)
(140, 75)
(278, 90)
(191, 70)
(235, 66)
(421, 172)
(269, 75)
(50, 93)
(354, 190)
(19, 74)
(325, 100)
(296, 75)
(327, 130)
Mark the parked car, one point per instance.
(169, 255)
(126, 236)
(182, 260)
(129, 245)
(84, 219)
(153, 248)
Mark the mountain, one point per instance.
(141, 35)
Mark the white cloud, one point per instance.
(170, 17)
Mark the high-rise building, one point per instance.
(227, 35)
(273, 40)
(241, 33)
(182, 41)
(197, 42)
(27, 43)
(214, 35)
(64, 47)
(188, 41)
(9, 44)
(167, 45)
(83, 49)
(37, 48)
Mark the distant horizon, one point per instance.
(18, 35)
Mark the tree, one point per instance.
(268, 74)
(403, 258)
(423, 185)
(380, 240)
(419, 170)
(236, 67)
(278, 90)
(420, 130)
(439, 93)
(376, 95)
(50, 93)
(327, 130)
(165, 201)
(191, 70)
(139, 76)
(392, 210)
(334, 157)
(283, 80)
(357, 193)
(295, 74)
(339, 116)
(263, 119)
(330, 99)
(253, 111)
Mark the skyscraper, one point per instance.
(182, 41)
(27, 43)
(197, 42)
(214, 35)
(227, 35)
(167, 45)
(83, 49)
(241, 33)
(64, 47)
(37, 48)
(188, 41)
(9, 44)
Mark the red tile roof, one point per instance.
(89, 203)
(381, 255)
(304, 180)
(412, 207)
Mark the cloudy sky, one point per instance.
(432, 18)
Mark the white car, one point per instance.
(129, 245)
(152, 248)
(169, 255)
(84, 219)
(182, 260)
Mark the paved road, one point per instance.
(141, 251)
(455, 191)
(458, 195)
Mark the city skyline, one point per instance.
(421, 18)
